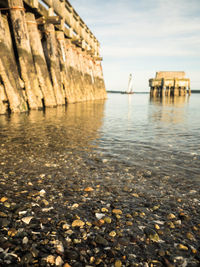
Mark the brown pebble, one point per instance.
(78, 223)
(118, 263)
(182, 247)
(88, 189)
(117, 211)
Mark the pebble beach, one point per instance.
(65, 204)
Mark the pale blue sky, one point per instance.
(144, 36)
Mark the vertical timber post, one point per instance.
(54, 64)
(28, 72)
(8, 70)
(63, 63)
(40, 61)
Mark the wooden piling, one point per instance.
(26, 62)
(9, 71)
(65, 77)
(3, 100)
(40, 61)
(52, 56)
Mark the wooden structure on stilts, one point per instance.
(170, 83)
(48, 56)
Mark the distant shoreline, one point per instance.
(119, 92)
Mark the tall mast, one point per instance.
(130, 83)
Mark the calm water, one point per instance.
(151, 134)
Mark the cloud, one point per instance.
(152, 33)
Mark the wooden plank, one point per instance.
(32, 3)
(26, 62)
(8, 69)
(40, 61)
(52, 56)
(63, 63)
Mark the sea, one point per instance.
(161, 135)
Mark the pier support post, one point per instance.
(3, 100)
(52, 56)
(63, 63)
(40, 62)
(9, 71)
(27, 67)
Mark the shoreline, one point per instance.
(94, 211)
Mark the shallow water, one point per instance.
(161, 135)
(132, 155)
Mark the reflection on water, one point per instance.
(158, 134)
(30, 142)
(170, 109)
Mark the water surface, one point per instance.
(160, 135)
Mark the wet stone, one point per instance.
(72, 254)
(101, 240)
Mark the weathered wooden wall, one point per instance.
(43, 63)
(170, 83)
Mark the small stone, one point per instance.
(78, 223)
(92, 259)
(12, 232)
(99, 216)
(171, 225)
(72, 255)
(104, 210)
(7, 205)
(135, 195)
(101, 241)
(27, 220)
(3, 199)
(25, 240)
(50, 259)
(190, 236)
(118, 263)
(42, 192)
(45, 202)
(171, 216)
(112, 234)
(151, 234)
(161, 253)
(157, 227)
(194, 251)
(66, 226)
(2, 214)
(116, 211)
(88, 189)
(107, 219)
(129, 223)
(156, 207)
(59, 261)
(66, 265)
(182, 247)
(60, 247)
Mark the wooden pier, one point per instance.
(48, 56)
(170, 83)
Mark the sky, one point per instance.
(144, 36)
